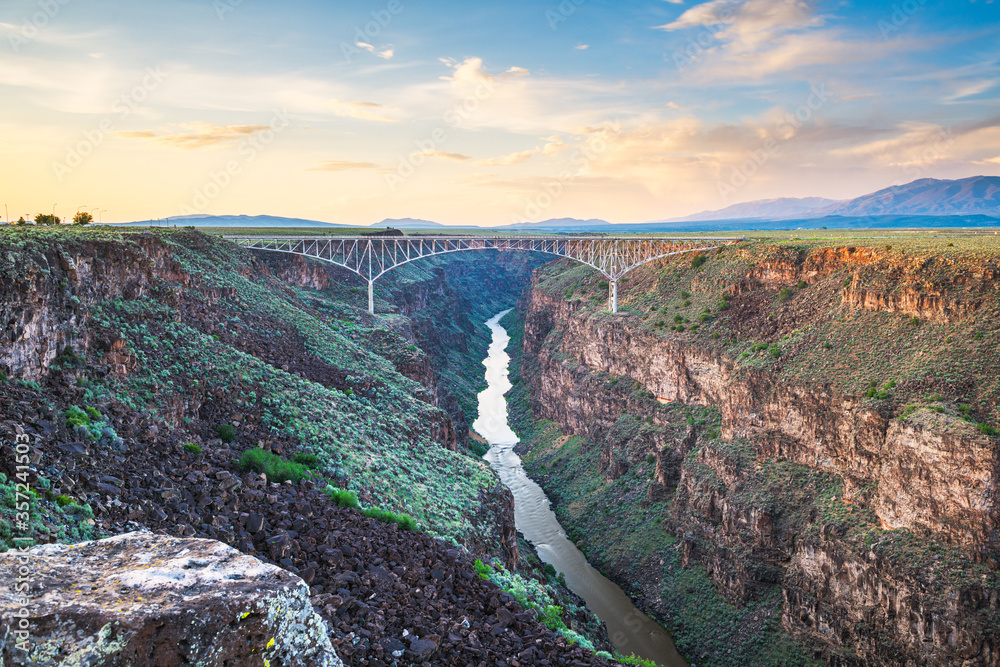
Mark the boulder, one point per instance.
(144, 599)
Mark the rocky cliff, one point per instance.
(870, 503)
(172, 382)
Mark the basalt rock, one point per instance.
(144, 599)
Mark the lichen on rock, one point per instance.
(141, 598)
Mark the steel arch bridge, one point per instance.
(372, 256)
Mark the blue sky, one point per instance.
(488, 113)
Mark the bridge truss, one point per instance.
(372, 256)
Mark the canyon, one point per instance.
(867, 505)
(785, 452)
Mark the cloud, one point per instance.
(471, 75)
(554, 147)
(360, 110)
(385, 54)
(508, 160)
(582, 47)
(344, 165)
(202, 135)
(430, 152)
(757, 38)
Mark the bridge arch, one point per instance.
(371, 257)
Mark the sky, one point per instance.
(486, 113)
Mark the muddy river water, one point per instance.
(631, 631)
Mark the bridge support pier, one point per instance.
(371, 297)
(613, 296)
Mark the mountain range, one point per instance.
(926, 202)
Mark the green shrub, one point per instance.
(697, 261)
(94, 414)
(785, 294)
(685, 294)
(349, 392)
(602, 284)
(550, 570)
(715, 335)
(650, 458)
(3, 376)
(63, 501)
(482, 569)
(635, 660)
(978, 335)
(306, 459)
(915, 321)
(678, 319)
(847, 282)
(705, 317)
(402, 520)
(551, 616)
(76, 417)
(722, 305)
(775, 352)
(192, 447)
(343, 497)
(986, 429)
(802, 285)
(276, 469)
(226, 433)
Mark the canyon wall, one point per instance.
(930, 479)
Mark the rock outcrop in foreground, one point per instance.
(145, 599)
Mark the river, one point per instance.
(631, 631)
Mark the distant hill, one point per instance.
(763, 209)
(927, 196)
(409, 223)
(232, 221)
(978, 195)
(560, 224)
(927, 202)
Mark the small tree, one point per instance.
(22, 221)
(47, 219)
(82, 218)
